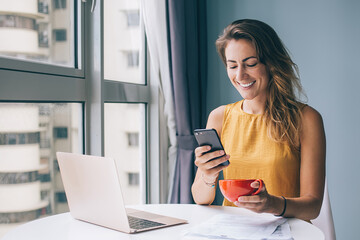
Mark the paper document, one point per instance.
(238, 227)
(282, 232)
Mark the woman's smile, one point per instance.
(246, 85)
(248, 75)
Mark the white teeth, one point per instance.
(247, 85)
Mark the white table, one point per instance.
(64, 227)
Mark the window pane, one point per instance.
(38, 30)
(30, 135)
(123, 44)
(124, 131)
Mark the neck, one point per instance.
(254, 106)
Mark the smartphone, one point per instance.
(211, 138)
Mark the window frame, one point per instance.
(77, 71)
(123, 92)
(24, 81)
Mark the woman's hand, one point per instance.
(262, 202)
(210, 168)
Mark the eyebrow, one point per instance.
(244, 60)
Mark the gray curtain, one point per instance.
(187, 41)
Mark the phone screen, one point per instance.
(211, 138)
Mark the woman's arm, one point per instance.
(208, 171)
(312, 175)
(312, 170)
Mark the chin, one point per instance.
(247, 97)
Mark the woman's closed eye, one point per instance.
(251, 64)
(233, 67)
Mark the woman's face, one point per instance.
(247, 74)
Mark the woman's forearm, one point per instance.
(305, 208)
(203, 193)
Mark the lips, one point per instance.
(246, 85)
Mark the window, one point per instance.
(123, 42)
(11, 21)
(133, 18)
(59, 4)
(19, 138)
(14, 178)
(43, 35)
(60, 132)
(33, 36)
(133, 179)
(133, 139)
(133, 59)
(28, 168)
(43, 6)
(39, 113)
(60, 35)
(45, 108)
(61, 197)
(124, 123)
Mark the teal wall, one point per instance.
(323, 37)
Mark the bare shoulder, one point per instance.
(218, 113)
(312, 124)
(311, 116)
(215, 119)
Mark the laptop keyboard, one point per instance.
(139, 223)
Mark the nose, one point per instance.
(241, 73)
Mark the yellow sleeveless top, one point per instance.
(254, 155)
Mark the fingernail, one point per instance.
(208, 147)
(240, 199)
(221, 152)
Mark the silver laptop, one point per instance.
(93, 192)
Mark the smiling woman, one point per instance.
(257, 40)
(249, 76)
(270, 134)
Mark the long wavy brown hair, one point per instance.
(283, 108)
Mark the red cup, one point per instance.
(232, 189)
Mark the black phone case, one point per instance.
(211, 138)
